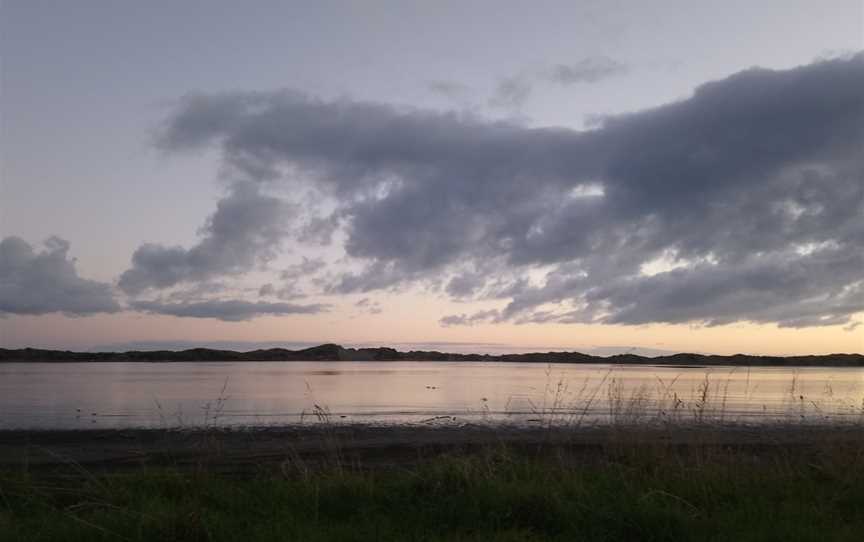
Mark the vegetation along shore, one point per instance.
(349, 483)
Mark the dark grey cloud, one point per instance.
(823, 288)
(245, 231)
(377, 275)
(288, 290)
(466, 284)
(752, 188)
(319, 230)
(227, 310)
(267, 290)
(481, 279)
(304, 268)
(41, 282)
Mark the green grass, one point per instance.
(621, 493)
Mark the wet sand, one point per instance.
(374, 447)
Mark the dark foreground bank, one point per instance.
(368, 447)
(435, 483)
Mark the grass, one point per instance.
(620, 492)
(609, 401)
(623, 488)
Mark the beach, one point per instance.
(379, 446)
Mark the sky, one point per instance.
(469, 176)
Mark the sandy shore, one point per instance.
(377, 446)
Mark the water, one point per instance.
(120, 395)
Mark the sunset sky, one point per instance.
(464, 176)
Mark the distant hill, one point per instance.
(334, 352)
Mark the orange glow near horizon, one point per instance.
(418, 324)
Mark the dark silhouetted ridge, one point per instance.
(335, 352)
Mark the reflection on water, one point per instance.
(86, 395)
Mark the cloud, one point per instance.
(465, 284)
(587, 70)
(309, 266)
(369, 306)
(197, 291)
(456, 93)
(479, 317)
(227, 310)
(266, 290)
(823, 288)
(512, 92)
(750, 189)
(43, 282)
(245, 230)
(319, 230)
(289, 290)
(473, 281)
(291, 277)
(448, 88)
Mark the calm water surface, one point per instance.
(102, 395)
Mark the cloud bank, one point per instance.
(228, 310)
(245, 230)
(41, 282)
(742, 202)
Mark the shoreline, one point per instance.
(377, 446)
